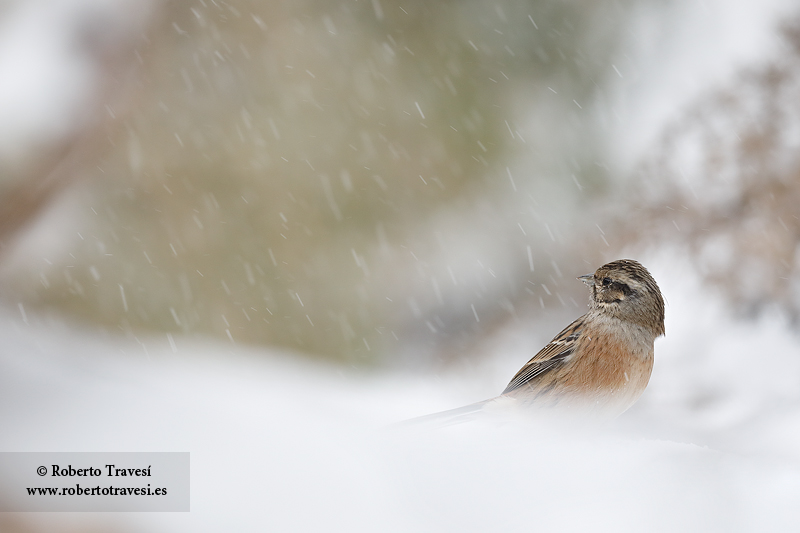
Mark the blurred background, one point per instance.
(375, 181)
(395, 186)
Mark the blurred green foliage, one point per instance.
(304, 173)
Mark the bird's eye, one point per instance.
(606, 282)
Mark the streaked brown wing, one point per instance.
(550, 357)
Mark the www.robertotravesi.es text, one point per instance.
(110, 490)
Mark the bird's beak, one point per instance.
(588, 279)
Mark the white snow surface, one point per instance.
(280, 443)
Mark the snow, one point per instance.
(279, 442)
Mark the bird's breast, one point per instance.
(609, 371)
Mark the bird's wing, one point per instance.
(550, 357)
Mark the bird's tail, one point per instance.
(451, 417)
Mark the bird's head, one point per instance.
(625, 289)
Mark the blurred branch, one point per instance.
(110, 41)
(726, 184)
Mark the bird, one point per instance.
(600, 364)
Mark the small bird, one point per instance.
(601, 363)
